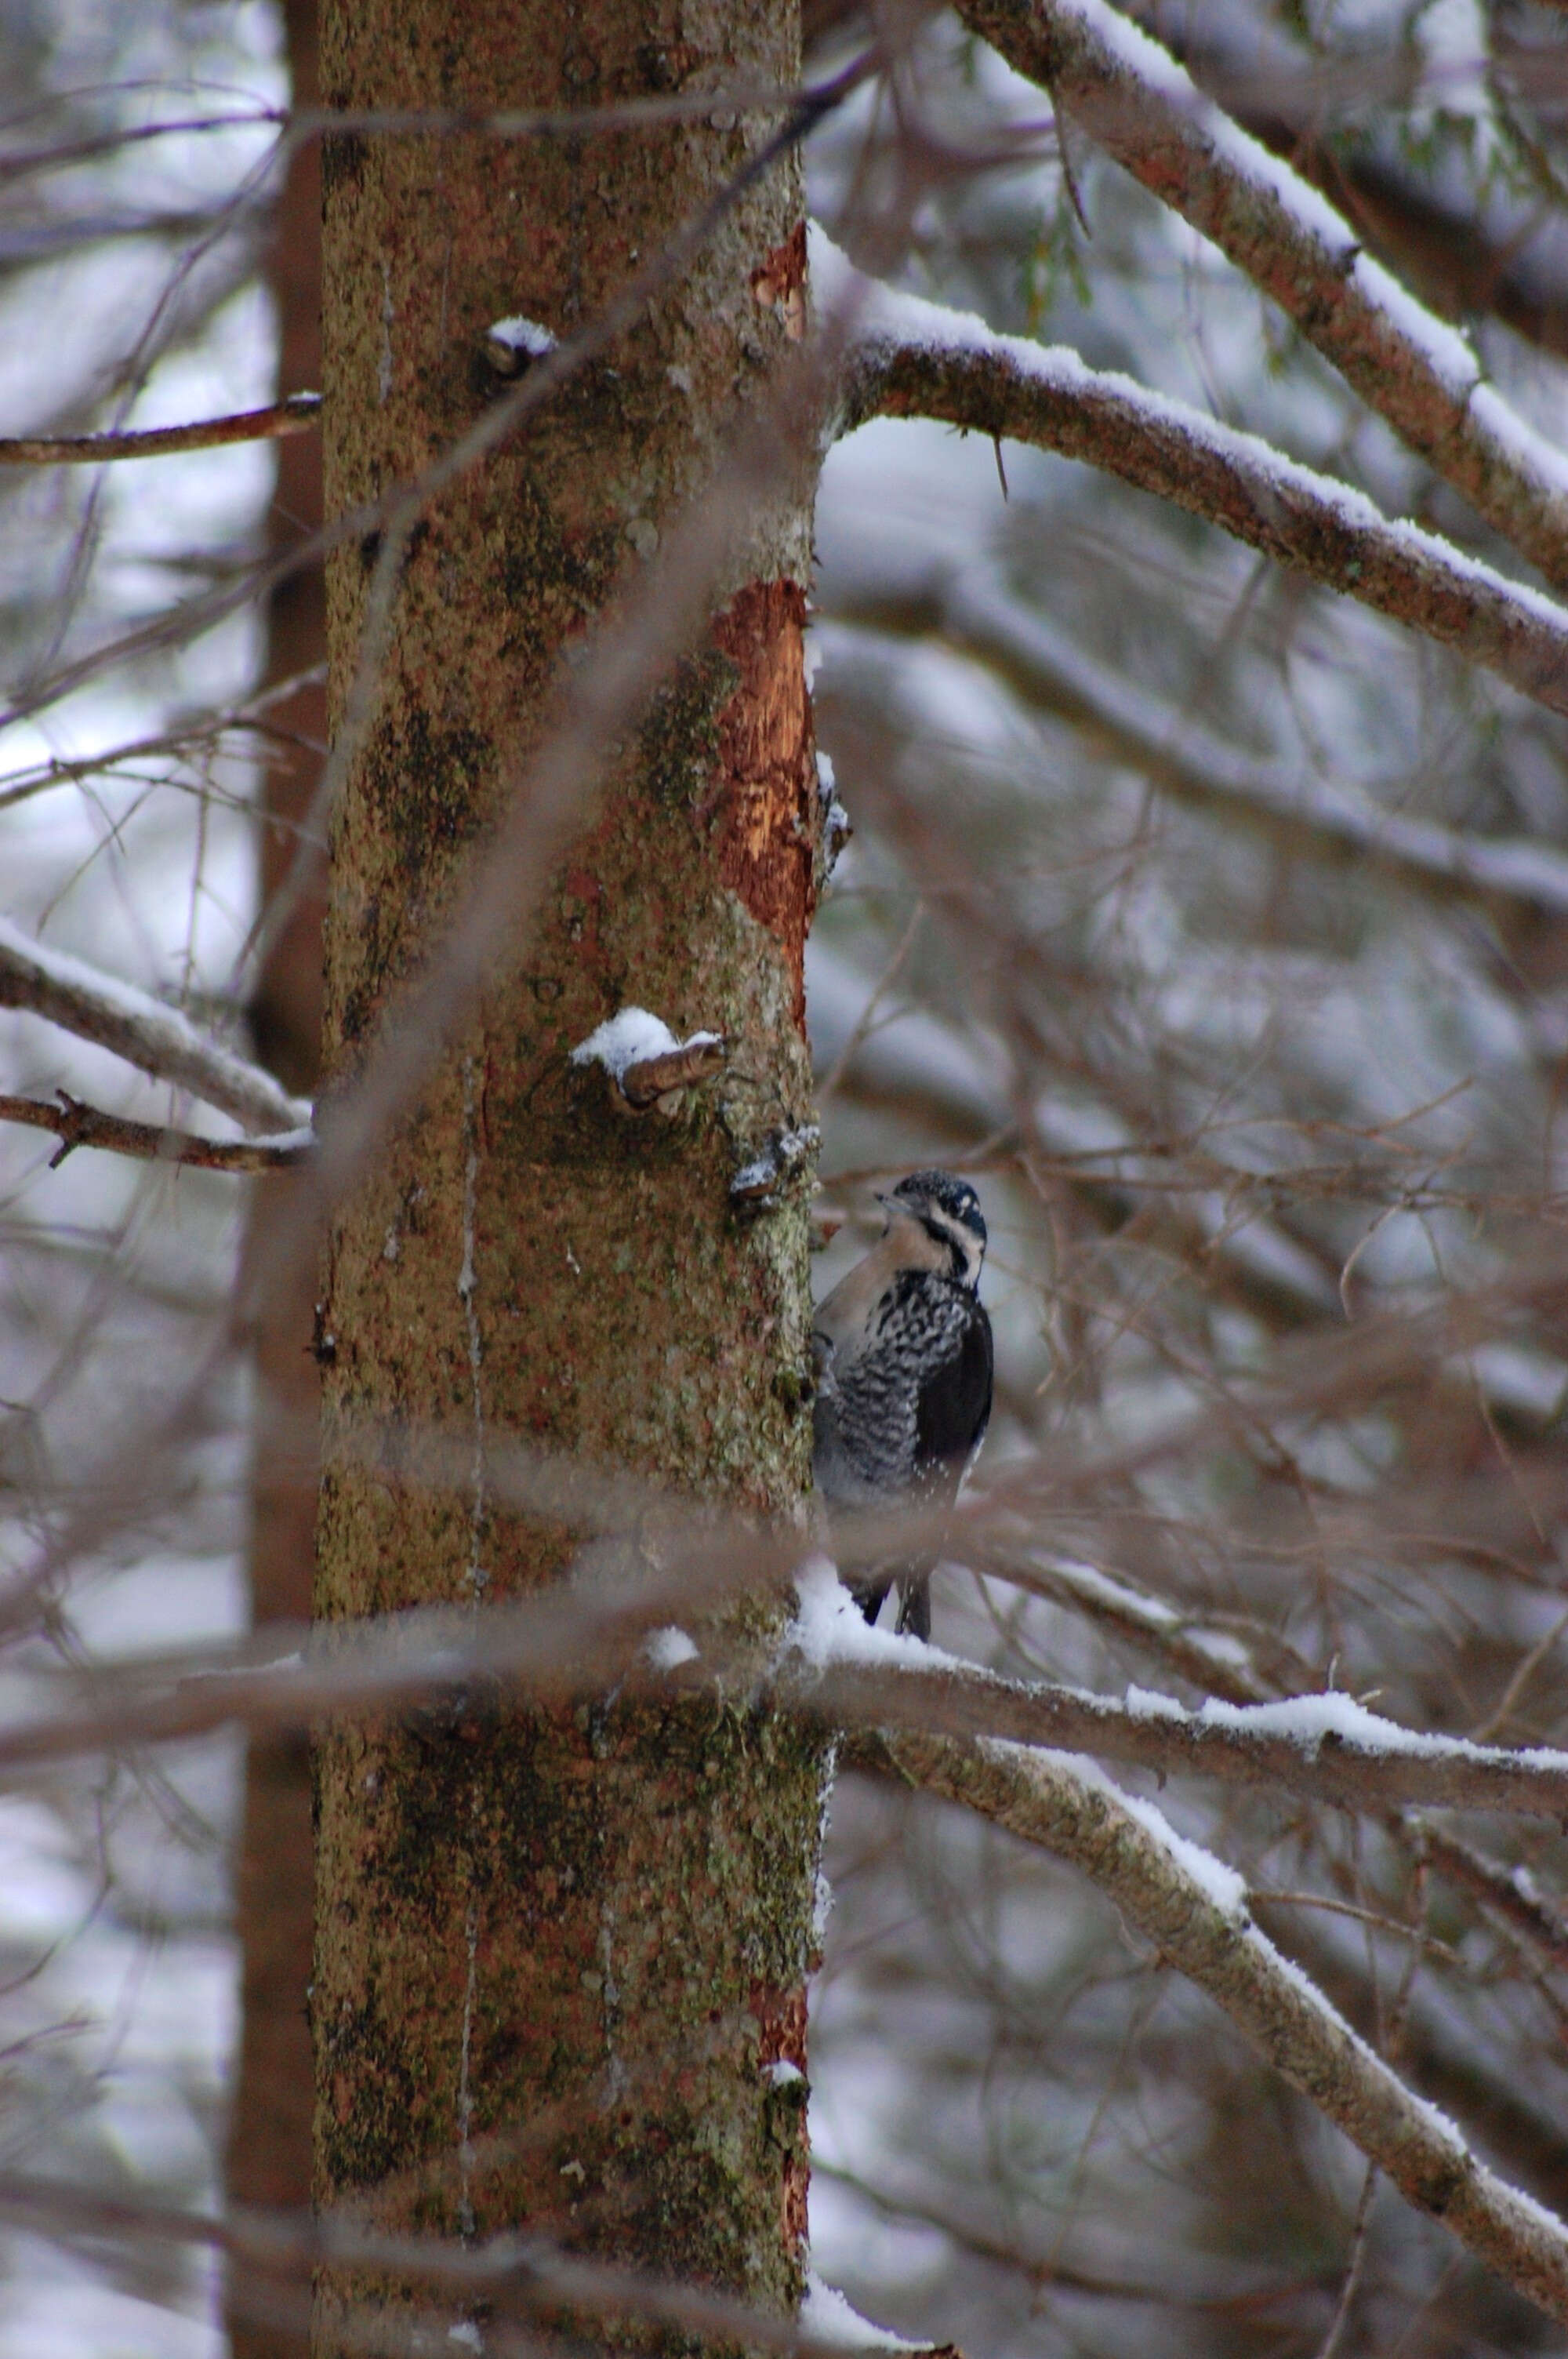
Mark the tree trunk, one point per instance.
(269, 2137)
(556, 1953)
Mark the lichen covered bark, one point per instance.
(557, 1953)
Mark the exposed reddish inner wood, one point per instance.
(780, 2016)
(781, 281)
(766, 797)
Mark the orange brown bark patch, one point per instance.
(766, 797)
(796, 2212)
(781, 2017)
(780, 282)
(781, 2025)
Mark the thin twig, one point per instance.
(867, 1017)
(1334, 2340)
(295, 414)
(77, 1124)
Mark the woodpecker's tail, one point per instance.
(869, 1595)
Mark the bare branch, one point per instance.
(515, 2272)
(396, 509)
(1198, 766)
(295, 414)
(1410, 366)
(77, 1124)
(97, 1006)
(1194, 1911)
(302, 125)
(1509, 1892)
(910, 358)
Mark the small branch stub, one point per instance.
(512, 346)
(758, 1185)
(649, 1067)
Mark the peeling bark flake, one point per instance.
(766, 797)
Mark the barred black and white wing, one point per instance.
(954, 1407)
(952, 1413)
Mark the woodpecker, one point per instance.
(903, 1353)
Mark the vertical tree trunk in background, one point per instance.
(269, 2141)
(557, 1953)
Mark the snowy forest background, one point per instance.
(1211, 922)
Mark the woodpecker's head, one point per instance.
(946, 1214)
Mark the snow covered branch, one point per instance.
(1414, 370)
(909, 358)
(1510, 1892)
(76, 1125)
(1324, 1747)
(1215, 1662)
(1193, 1909)
(97, 1006)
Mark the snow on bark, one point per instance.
(648, 1065)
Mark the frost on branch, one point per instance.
(648, 1067)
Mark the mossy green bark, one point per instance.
(557, 1953)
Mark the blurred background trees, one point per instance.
(1210, 921)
